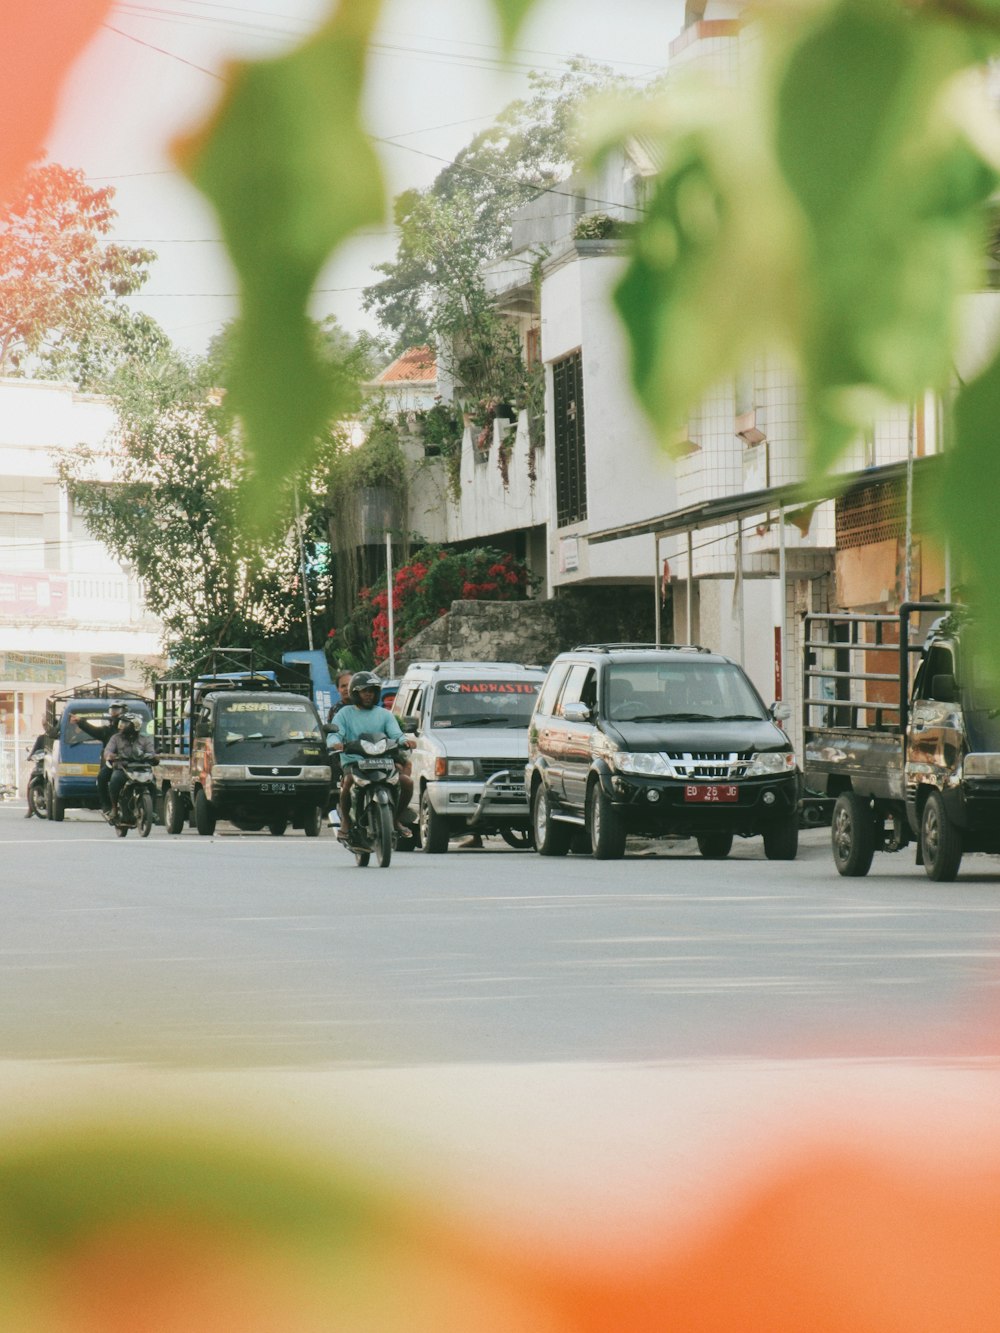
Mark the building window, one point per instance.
(571, 457)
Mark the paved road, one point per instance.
(247, 950)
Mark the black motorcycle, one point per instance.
(37, 804)
(135, 800)
(374, 794)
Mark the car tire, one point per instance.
(204, 815)
(434, 832)
(54, 805)
(173, 812)
(312, 821)
(940, 841)
(781, 840)
(276, 827)
(715, 846)
(551, 839)
(852, 835)
(606, 825)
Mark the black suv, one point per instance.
(664, 742)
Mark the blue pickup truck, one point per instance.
(72, 763)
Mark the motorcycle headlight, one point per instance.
(769, 763)
(375, 747)
(461, 768)
(647, 765)
(223, 771)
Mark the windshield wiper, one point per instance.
(740, 717)
(475, 721)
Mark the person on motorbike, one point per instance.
(127, 743)
(103, 732)
(344, 695)
(36, 758)
(363, 717)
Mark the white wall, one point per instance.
(628, 476)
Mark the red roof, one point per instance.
(416, 364)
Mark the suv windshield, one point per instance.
(680, 691)
(259, 720)
(484, 703)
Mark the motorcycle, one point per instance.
(374, 794)
(135, 800)
(37, 804)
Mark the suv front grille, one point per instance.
(491, 766)
(710, 765)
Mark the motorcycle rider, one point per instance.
(127, 743)
(103, 732)
(36, 758)
(362, 717)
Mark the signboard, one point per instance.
(44, 596)
(33, 668)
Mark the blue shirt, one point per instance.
(352, 722)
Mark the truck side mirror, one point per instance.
(780, 711)
(944, 689)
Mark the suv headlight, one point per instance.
(460, 768)
(648, 765)
(981, 766)
(770, 762)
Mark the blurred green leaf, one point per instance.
(292, 174)
(512, 14)
(967, 504)
(832, 210)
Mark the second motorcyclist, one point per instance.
(104, 731)
(127, 743)
(363, 717)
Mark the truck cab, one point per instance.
(240, 748)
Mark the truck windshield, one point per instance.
(679, 691)
(74, 734)
(484, 703)
(268, 722)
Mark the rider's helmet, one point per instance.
(364, 680)
(131, 724)
(116, 711)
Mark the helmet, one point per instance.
(363, 680)
(116, 707)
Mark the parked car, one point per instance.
(665, 742)
(470, 720)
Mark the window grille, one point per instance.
(570, 451)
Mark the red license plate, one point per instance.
(711, 794)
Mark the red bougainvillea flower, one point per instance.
(39, 40)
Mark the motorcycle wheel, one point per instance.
(39, 805)
(380, 824)
(121, 830)
(518, 838)
(144, 814)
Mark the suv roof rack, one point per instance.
(640, 647)
(465, 662)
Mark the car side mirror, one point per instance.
(780, 711)
(576, 712)
(409, 725)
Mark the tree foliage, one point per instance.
(61, 287)
(448, 231)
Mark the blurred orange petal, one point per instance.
(39, 40)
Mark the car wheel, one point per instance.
(551, 838)
(433, 828)
(940, 841)
(55, 807)
(852, 835)
(781, 840)
(204, 815)
(173, 812)
(715, 846)
(277, 827)
(312, 821)
(607, 827)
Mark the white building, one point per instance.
(69, 613)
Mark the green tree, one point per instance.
(61, 288)
(463, 219)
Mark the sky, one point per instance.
(435, 80)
